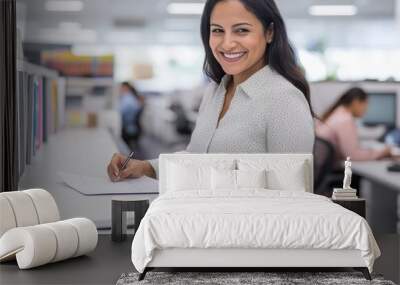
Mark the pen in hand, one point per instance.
(130, 156)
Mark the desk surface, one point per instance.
(377, 172)
(79, 151)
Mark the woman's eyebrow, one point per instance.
(235, 25)
(240, 24)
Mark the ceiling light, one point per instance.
(333, 10)
(185, 8)
(64, 5)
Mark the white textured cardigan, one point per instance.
(267, 115)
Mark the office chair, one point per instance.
(324, 159)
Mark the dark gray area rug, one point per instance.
(243, 278)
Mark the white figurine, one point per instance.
(347, 174)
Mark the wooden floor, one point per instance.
(111, 259)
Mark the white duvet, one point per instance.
(250, 219)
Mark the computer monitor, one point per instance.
(382, 108)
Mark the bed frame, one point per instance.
(241, 259)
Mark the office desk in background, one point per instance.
(80, 151)
(381, 189)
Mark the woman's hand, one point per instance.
(134, 169)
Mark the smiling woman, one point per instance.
(238, 40)
(258, 27)
(258, 100)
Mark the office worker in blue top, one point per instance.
(258, 100)
(130, 107)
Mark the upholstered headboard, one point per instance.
(276, 162)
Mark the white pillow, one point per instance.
(190, 174)
(223, 179)
(236, 179)
(251, 178)
(282, 174)
(294, 182)
(183, 178)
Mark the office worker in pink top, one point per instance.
(338, 126)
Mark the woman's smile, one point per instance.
(232, 57)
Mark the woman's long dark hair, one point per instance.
(354, 93)
(280, 54)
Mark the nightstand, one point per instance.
(356, 205)
(118, 216)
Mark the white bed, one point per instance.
(193, 224)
